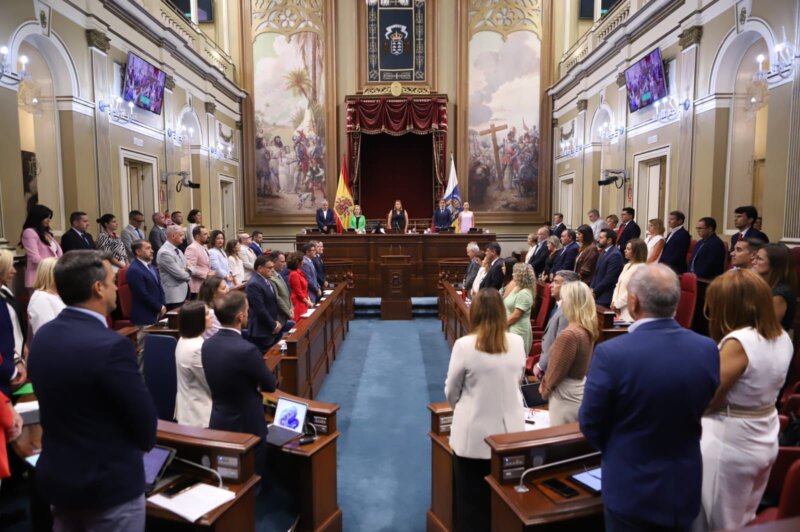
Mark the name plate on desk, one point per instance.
(320, 423)
(444, 424)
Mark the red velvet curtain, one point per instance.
(398, 116)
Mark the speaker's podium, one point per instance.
(396, 287)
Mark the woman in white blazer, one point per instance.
(482, 386)
(636, 255)
(193, 400)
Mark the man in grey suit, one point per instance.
(158, 234)
(285, 307)
(473, 266)
(309, 252)
(133, 231)
(557, 322)
(172, 267)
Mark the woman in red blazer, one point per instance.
(298, 285)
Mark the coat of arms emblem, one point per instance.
(396, 39)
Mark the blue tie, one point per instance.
(153, 271)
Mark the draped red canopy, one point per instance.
(421, 115)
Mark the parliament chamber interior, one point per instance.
(400, 265)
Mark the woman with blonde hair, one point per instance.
(357, 220)
(636, 255)
(740, 428)
(45, 303)
(482, 386)
(518, 301)
(570, 354)
(13, 329)
(655, 239)
(553, 248)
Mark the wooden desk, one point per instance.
(395, 287)
(310, 470)
(439, 517)
(513, 453)
(426, 250)
(311, 349)
(454, 313)
(232, 454)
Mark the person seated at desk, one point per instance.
(482, 386)
(97, 415)
(358, 221)
(325, 218)
(570, 354)
(193, 399)
(236, 375)
(441, 217)
(397, 219)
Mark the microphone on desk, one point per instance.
(204, 468)
(522, 488)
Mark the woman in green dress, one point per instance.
(357, 220)
(519, 301)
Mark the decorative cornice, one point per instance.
(505, 16)
(169, 83)
(621, 79)
(98, 39)
(387, 90)
(690, 37)
(211, 107)
(582, 105)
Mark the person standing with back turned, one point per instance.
(97, 416)
(642, 404)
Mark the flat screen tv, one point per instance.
(645, 81)
(144, 84)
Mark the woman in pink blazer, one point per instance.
(38, 241)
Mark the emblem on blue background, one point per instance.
(396, 37)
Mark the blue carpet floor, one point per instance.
(385, 376)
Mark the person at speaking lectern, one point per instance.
(441, 217)
(398, 217)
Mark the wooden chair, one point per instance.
(124, 300)
(791, 405)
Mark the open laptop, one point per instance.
(531, 395)
(156, 462)
(290, 418)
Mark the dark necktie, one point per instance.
(86, 239)
(153, 271)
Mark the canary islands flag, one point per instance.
(452, 196)
(343, 205)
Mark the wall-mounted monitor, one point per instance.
(645, 81)
(144, 84)
(205, 9)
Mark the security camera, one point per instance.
(185, 181)
(607, 177)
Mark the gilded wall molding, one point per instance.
(98, 39)
(505, 16)
(690, 37)
(287, 17)
(405, 89)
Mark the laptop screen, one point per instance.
(531, 395)
(155, 462)
(290, 414)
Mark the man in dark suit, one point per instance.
(97, 415)
(309, 252)
(264, 326)
(566, 259)
(77, 237)
(628, 229)
(609, 266)
(644, 398)
(494, 277)
(144, 282)
(255, 245)
(743, 219)
(441, 216)
(708, 258)
(158, 233)
(237, 375)
(319, 265)
(677, 245)
(558, 225)
(325, 217)
(539, 257)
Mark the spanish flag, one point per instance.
(343, 205)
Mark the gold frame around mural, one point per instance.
(327, 22)
(464, 33)
(430, 48)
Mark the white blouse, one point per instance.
(42, 308)
(193, 401)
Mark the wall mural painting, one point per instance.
(289, 101)
(503, 112)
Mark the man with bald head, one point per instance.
(644, 398)
(173, 269)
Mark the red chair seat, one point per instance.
(767, 516)
(688, 300)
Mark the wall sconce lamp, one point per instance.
(7, 74)
(116, 111)
(609, 134)
(784, 57)
(570, 147)
(669, 108)
(220, 152)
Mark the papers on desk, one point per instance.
(540, 418)
(195, 502)
(327, 292)
(29, 411)
(308, 313)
